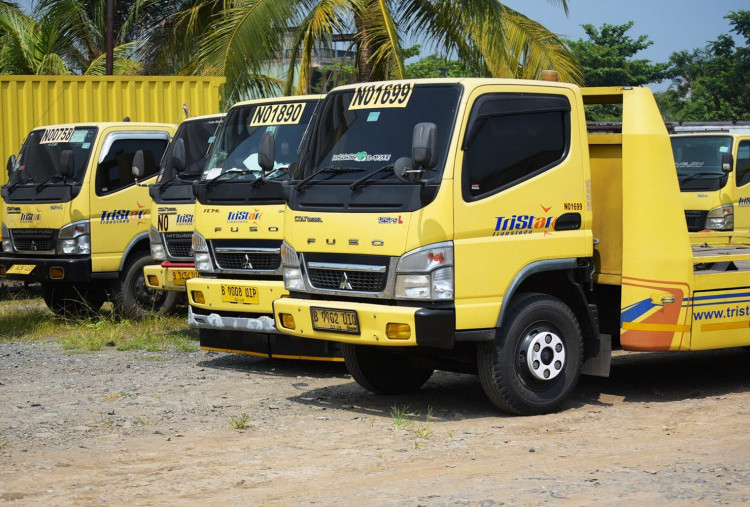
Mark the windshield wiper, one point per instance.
(22, 181)
(224, 176)
(334, 169)
(48, 181)
(360, 182)
(702, 173)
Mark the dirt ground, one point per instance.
(141, 428)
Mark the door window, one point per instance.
(511, 138)
(743, 163)
(115, 169)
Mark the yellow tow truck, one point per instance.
(171, 232)
(76, 220)
(483, 229)
(239, 220)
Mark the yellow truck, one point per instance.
(239, 219)
(76, 220)
(171, 232)
(476, 225)
(713, 168)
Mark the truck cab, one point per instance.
(713, 168)
(239, 222)
(76, 220)
(171, 231)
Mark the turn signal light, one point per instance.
(57, 272)
(287, 320)
(153, 280)
(3, 269)
(198, 297)
(398, 331)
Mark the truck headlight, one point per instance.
(291, 268)
(426, 273)
(158, 253)
(7, 243)
(74, 239)
(201, 254)
(721, 218)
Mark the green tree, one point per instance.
(437, 66)
(711, 83)
(606, 57)
(489, 36)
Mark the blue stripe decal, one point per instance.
(717, 303)
(632, 312)
(718, 296)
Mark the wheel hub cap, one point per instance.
(545, 355)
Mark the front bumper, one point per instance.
(40, 269)
(254, 296)
(428, 327)
(169, 276)
(211, 320)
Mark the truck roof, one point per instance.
(215, 116)
(125, 125)
(288, 98)
(467, 82)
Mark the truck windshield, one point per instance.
(40, 157)
(362, 130)
(234, 154)
(197, 136)
(699, 157)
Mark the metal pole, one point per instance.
(110, 36)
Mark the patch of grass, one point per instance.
(29, 319)
(142, 420)
(4, 443)
(400, 417)
(239, 422)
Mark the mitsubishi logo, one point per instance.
(33, 246)
(344, 282)
(248, 264)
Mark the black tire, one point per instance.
(73, 301)
(540, 338)
(383, 372)
(132, 299)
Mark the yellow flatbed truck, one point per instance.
(171, 232)
(239, 220)
(76, 220)
(487, 231)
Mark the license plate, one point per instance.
(179, 277)
(20, 269)
(341, 321)
(239, 294)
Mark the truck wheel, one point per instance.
(535, 361)
(132, 299)
(383, 372)
(73, 301)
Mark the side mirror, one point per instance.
(267, 151)
(403, 168)
(178, 155)
(727, 162)
(11, 163)
(139, 165)
(424, 145)
(67, 164)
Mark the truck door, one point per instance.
(520, 193)
(742, 182)
(120, 209)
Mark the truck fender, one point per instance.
(527, 271)
(137, 239)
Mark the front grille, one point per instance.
(696, 220)
(33, 240)
(248, 260)
(179, 244)
(360, 281)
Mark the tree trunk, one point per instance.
(364, 51)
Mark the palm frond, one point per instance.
(381, 34)
(124, 61)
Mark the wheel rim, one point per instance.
(543, 353)
(145, 297)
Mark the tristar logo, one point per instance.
(30, 217)
(307, 219)
(390, 220)
(185, 219)
(121, 216)
(522, 224)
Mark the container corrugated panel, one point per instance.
(31, 101)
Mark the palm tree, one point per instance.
(491, 38)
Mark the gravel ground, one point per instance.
(143, 428)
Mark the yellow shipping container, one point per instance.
(30, 101)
